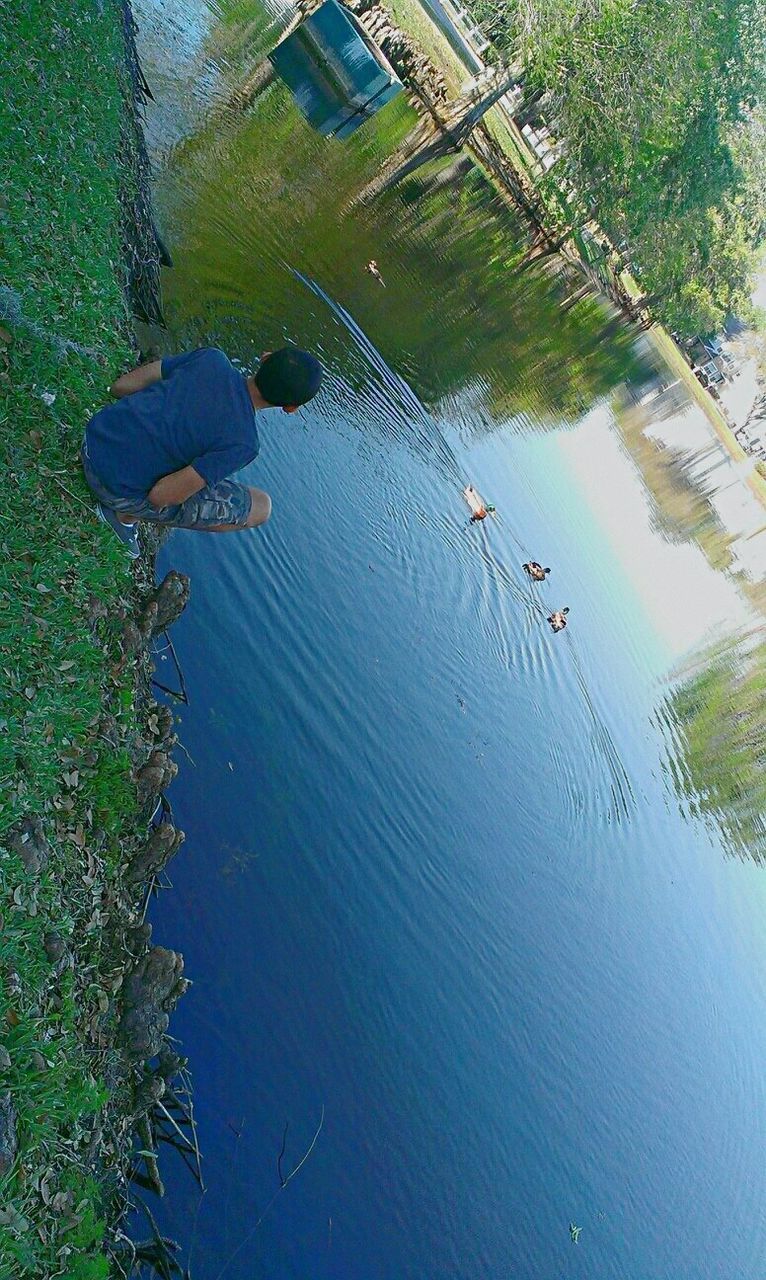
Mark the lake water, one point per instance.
(447, 881)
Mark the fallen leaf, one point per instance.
(13, 1220)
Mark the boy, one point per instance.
(180, 428)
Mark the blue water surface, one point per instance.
(436, 887)
(438, 891)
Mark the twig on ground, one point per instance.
(64, 489)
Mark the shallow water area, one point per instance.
(447, 882)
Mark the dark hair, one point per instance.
(289, 376)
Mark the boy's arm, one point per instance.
(176, 487)
(142, 376)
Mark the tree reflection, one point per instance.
(464, 304)
(720, 713)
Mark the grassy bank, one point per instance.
(418, 24)
(65, 699)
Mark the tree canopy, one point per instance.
(660, 104)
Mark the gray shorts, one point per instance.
(224, 503)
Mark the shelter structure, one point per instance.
(338, 76)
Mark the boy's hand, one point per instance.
(176, 487)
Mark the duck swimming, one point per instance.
(479, 508)
(535, 571)
(558, 619)
(373, 269)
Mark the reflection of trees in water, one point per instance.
(263, 192)
(494, 316)
(720, 715)
(678, 508)
(719, 710)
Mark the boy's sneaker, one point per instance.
(127, 533)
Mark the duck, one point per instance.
(374, 270)
(558, 619)
(535, 571)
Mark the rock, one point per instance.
(148, 1093)
(167, 603)
(413, 67)
(142, 1031)
(150, 990)
(9, 1142)
(133, 638)
(147, 621)
(161, 846)
(154, 776)
(148, 1141)
(170, 1064)
(161, 720)
(28, 841)
(5, 1059)
(154, 978)
(137, 938)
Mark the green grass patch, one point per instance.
(64, 332)
(413, 19)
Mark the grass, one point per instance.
(65, 700)
(413, 19)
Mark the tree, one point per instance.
(699, 266)
(661, 108)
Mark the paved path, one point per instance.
(442, 16)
